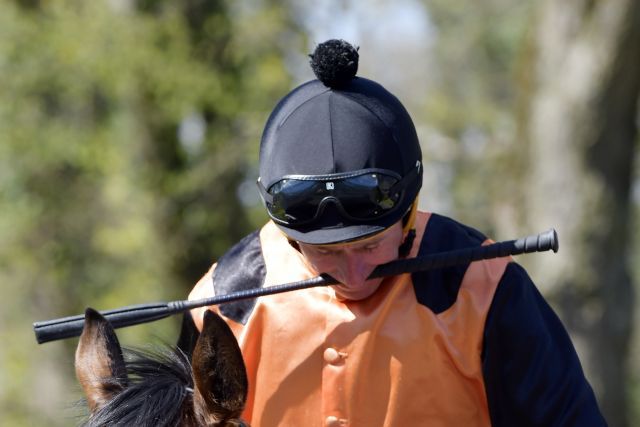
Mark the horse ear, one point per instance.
(219, 371)
(100, 367)
(188, 335)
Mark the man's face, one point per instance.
(351, 263)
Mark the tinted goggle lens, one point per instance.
(367, 196)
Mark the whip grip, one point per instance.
(67, 327)
(545, 241)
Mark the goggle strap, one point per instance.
(400, 185)
(268, 198)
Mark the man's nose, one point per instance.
(352, 270)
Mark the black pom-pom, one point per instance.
(334, 62)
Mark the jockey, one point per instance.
(469, 345)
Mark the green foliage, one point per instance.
(479, 50)
(102, 202)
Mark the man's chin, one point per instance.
(356, 293)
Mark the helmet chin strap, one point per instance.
(408, 230)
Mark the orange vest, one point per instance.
(385, 361)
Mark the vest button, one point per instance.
(332, 421)
(331, 355)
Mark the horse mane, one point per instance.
(156, 387)
(159, 391)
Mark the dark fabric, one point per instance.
(438, 289)
(532, 374)
(241, 268)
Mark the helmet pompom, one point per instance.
(334, 62)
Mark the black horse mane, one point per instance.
(159, 391)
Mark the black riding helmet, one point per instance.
(339, 157)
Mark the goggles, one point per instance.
(364, 195)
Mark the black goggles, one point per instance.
(364, 195)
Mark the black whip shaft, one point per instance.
(535, 243)
(67, 327)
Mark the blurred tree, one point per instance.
(126, 129)
(582, 131)
(538, 120)
(473, 138)
(196, 158)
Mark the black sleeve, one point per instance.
(532, 373)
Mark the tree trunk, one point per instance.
(582, 134)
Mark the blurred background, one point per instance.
(129, 134)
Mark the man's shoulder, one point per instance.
(438, 288)
(445, 234)
(241, 268)
(246, 253)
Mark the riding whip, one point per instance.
(67, 327)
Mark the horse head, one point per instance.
(162, 389)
